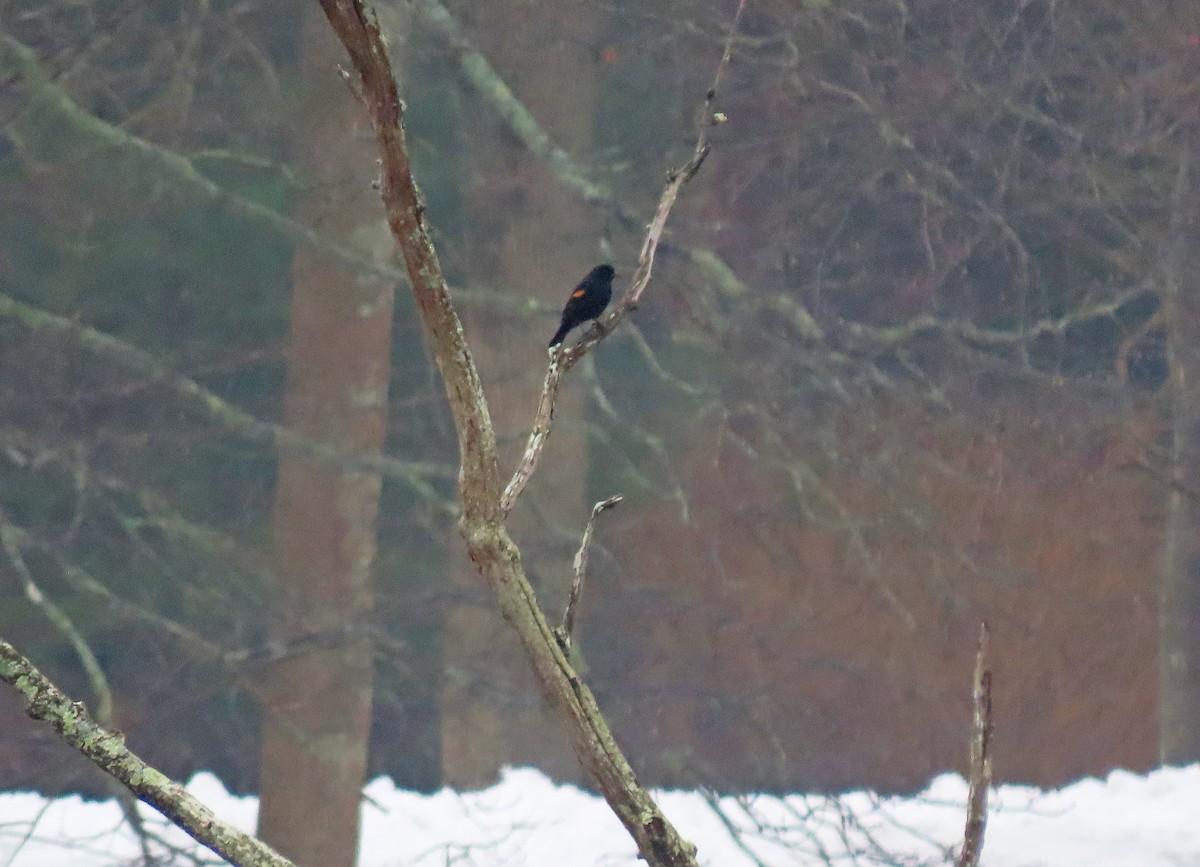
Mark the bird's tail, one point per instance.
(560, 334)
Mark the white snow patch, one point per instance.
(529, 821)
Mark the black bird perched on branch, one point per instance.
(588, 300)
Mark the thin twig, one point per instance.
(565, 359)
(675, 180)
(981, 757)
(11, 538)
(647, 352)
(539, 435)
(563, 633)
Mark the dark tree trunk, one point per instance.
(317, 702)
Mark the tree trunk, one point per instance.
(317, 699)
(1179, 593)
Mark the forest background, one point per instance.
(920, 351)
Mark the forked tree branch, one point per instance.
(539, 435)
(482, 521)
(562, 360)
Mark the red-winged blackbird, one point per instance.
(588, 300)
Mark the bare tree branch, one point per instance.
(482, 521)
(539, 435)
(216, 409)
(61, 127)
(969, 332)
(563, 633)
(675, 180)
(478, 75)
(981, 757)
(10, 539)
(106, 748)
(565, 359)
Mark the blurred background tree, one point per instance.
(920, 352)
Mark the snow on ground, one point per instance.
(526, 820)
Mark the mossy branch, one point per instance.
(106, 748)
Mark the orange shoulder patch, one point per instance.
(578, 293)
